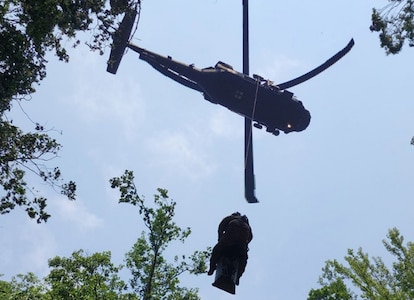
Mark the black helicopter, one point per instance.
(259, 100)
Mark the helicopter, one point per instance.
(259, 101)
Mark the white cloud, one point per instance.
(181, 152)
(226, 124)
(42, 245)
(100, 97)
(26, 247)
(78, 215)
(280, 69)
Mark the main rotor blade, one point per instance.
(318, 70)
(249, 183)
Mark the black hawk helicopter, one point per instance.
(258, 100)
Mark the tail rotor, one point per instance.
(120, 40)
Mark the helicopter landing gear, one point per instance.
(273, 131)
(257, 125)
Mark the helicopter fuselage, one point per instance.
(254, 98)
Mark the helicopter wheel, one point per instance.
(257, 125)
(276, 132)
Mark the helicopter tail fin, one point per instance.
(120, 40)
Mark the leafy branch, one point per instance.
(395, 25)
(153, 276)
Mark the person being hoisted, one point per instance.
(234, 235)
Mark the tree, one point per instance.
(23, 287)
(152, 276)
(5, 289)
(395, 24)
(370, 277)
(85, 277)
(21, 152)
(335, 290)
(79, 277)
(28, 31)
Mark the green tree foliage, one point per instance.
(95, 277)
(79, 277)
(23, 287)
(395, 24)
(335, 290)
(153, 277)
(29, 30)
(84, 276)
(369, 277)
(5, 289)
(21, 152)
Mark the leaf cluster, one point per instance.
(334, 290)
(26, 286)
(79, 277)
(84, 276)
(21, 152)
(369, 277)
(395, 24)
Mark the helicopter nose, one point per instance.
(304, 120)
(301, 123)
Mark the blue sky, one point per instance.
(340, 184)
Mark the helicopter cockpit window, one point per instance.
(209, 69)
(223, 65)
